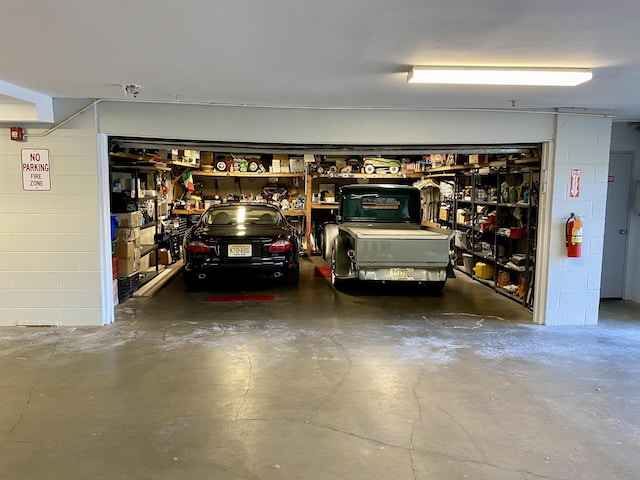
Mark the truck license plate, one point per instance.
(402, 274)
(239, 250)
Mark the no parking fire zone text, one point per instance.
(36, 169)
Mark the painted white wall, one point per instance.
(272, 125)
(573, 288)
(625, 138)
(64, 277)
(49, 241)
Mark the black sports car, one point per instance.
(239, 241)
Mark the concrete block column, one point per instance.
(573, 284)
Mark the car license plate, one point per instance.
(239, 250)
(402, 274)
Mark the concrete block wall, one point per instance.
(49, 240)
(573, 289)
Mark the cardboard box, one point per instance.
(127, 234)
(296, 165)
(164, 257)
(125, 249)
(477, 159)
(281, 157)
(129, 220)
(444, 214)
(463, 216)
(127, 266)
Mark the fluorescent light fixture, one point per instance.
(568, 77)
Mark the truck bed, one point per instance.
(399, 245)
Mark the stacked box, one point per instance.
(128, 254)
(130, 219)
(164, 257)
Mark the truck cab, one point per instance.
(378, 237)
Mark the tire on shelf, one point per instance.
(369, 169)
(394, 169)
(221, 166)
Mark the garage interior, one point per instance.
(486, 197)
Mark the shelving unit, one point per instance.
(496, 224)
(134, 167)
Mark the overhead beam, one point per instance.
(24, 105)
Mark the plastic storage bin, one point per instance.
(484, 270)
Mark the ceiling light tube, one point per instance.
(500, 76)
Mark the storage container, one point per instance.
(484, 270)
(467, 260)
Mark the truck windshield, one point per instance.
(377, 206)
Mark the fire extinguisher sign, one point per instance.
(574, 184)
(36, 171)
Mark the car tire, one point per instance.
(394, 170)
(292, 276)
(369, 169)
(339, 284)
(221, 166)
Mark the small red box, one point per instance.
(518, 232)
(114, 267)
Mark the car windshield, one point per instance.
(368, 206)
(241, 215)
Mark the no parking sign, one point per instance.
(36, 169)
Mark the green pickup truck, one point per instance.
(378, 237)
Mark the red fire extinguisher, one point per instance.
(574, 236)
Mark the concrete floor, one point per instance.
(323, 385)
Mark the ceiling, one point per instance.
(312, 53)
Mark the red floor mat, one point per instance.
(323, 272)
(240, 298)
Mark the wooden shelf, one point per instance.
(184, 164)
(475, 166)
(202, 173)
(348, 176)
(293, 213)
(192, 211)
(324, 206)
